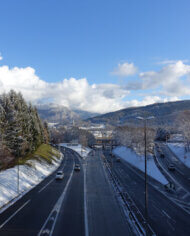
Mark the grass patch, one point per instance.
(43, 152)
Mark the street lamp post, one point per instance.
(145, 165)
(18, 177)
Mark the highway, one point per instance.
(46, 208)
(164, 216)
(105, 217)
(181, 175)
(83, 203)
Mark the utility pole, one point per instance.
(145, 173)
(18, 176)
(145, 168)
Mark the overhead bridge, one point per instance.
(106, 141)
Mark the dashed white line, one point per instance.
(45, 186)
(56, 208)
(184, 196)
(1, 226)
(166, 214)
(179, 171)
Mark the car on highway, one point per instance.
(171, 167)
(77, 167)
(162, 155)
(59, 175)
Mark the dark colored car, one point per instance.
(171, 167)
(77, 167)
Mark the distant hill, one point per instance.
(60, 114)
(164, 113)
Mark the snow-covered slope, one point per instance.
(29, 175)
(179, 150)
(82, 151)
(138, 161)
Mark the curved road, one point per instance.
(83, 203)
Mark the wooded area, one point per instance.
(21, 129)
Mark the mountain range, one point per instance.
(60, 114)
(164, 114)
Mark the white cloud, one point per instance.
(166, 62)
(73, 93)
(166, 84)
(171, 80)
(1, 58)
(125, 69)
(147, 100)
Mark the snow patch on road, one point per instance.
(30, 175)
(82, 151)
(179, 150)
(138, 161)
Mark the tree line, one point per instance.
(21, 129)
(63, 135)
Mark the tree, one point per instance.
(183, 122)
(21, 129)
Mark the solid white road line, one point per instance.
(85, 203)
(1, 226)
(52, 179)
(56, 208)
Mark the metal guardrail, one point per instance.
(134, 212)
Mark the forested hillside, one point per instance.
(21, 130)
(164, 114)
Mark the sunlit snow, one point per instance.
(138, 161)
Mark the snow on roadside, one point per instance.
(138, 161)
(29, 176)
(82, 151)
(179, 150)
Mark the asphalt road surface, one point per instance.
(47, 208)
(83, 203)
(164, 216)
(105, 217)
(181, 173)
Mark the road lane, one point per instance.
(105, 216)
(165, 217)
(182, 173)
(30, 219)
(71, 218)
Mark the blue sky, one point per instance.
(89, 39)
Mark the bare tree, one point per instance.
(183, 122)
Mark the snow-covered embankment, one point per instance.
(138, 161)
(179, 150)
(30, 174)
(82, 151)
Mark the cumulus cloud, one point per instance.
(125, 69)
(167, 84)
(73, 93)
(171, 79)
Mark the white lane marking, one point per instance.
(166, 214)
(184, 196)
(1, 226)
(173, 179)
(179, 171)
(85, 203)
(45, 186)
(52, 179)
(56, 208)
(171, 226)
